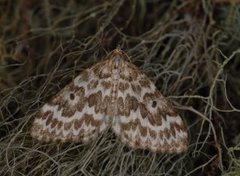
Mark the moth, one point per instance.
(112, 94)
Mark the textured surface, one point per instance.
(112, 94)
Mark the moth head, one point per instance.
(117, 58)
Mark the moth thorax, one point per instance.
(117, 61)
(115, 74)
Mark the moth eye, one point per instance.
(154, 104)
(72, 96)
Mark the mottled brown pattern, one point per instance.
(167, 133)
(123, 86)
(150, 96)
(130, 72)
(144, 112)
(91, 100)
(136, 88)
(46, 114)
(173, 146)
(127, 106)
(143, 130)
(49, 120)
(156, 119)
(95, 85)
(54, 123)
(81, 94)
(68, 111)
(105, 104)
(169, 109)
(89, 120)
(134, 124)
(82, 133)
(145, 83)
(127, 78)
(77, 124)
(165, 143)
(92, 84)
(85, 75)
(98, 102)
(179, 128)
(126, 85)
(67, 125)
(131, 104)
(161, 134)
(125, 126)
(96, 123)
(152, 133)
(166, 111)
(59, 124)
(59, 99)
(172, 127)
(137, 142)
(104, 75)
(162, 112)
(120, 106)
(97, 69)
(106, 84)
(114, 74)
